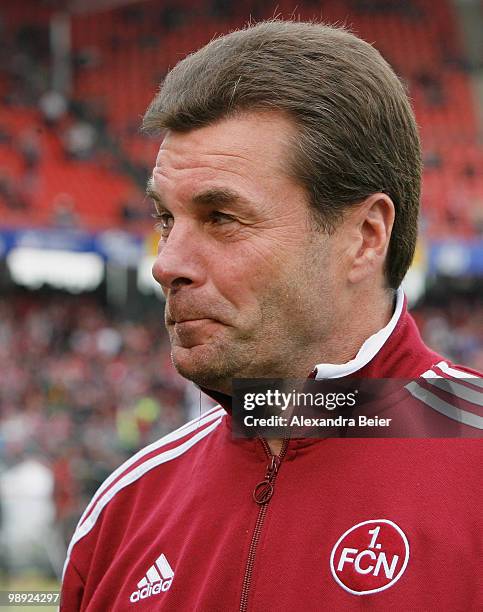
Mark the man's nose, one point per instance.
(177, 264)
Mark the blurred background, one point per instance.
(85, 373)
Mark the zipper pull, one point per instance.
(264, 489)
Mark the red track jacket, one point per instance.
(353, 524)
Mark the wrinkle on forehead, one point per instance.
(241, 138)
(180, 160)
(164, 172)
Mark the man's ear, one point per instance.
(371, 226)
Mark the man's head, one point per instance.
(356, 133)
(304, 135)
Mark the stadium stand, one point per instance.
(119, 57)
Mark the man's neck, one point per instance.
(345, 345)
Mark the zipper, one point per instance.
(262, 494)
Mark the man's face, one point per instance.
(250, 285)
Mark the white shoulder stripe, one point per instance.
(449, 385)
(135, 474)
(475, 380)
(438, 404)
(207, 417)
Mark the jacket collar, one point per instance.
(368, 351)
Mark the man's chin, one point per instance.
(201, 364)
(205, 365)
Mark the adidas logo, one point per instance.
(158, 578)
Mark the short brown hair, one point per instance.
(356, 133)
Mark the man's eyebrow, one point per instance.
(215, 196)
(218, 196)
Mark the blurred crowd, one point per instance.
(80, 391)
(453, 327)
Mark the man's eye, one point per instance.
(165, 223)
(219, 218)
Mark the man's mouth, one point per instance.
(194, 320)
(181, 320)
(176, 315)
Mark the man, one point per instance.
(287, 190)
